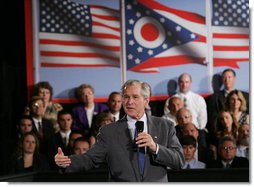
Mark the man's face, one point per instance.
(227, 151)
(190, 129)
(25, 126)
(134, 102)
(228, 80)
(65, 122)
(184, 117)
(38, 108)
(175, 105)
(184, 84)
(189, 152)
(115, 103)
(80, 147)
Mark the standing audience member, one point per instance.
(236, 104)
(81, 146)
(62, 137)
(243, 141)
(216, 101)
(174, 104)
(27, 157)
(101, 119)
(115, 105)
(189, 145)
(84, 112)
(227, 155)
(192, 101)
(45, 90)
(157, 146)
(225, 126)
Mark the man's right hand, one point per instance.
(61, 160)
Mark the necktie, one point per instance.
(185, 102)
(140, 154)
(40, 129)
(65, 141)
(227, 165)
(188, 166)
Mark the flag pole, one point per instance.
(123, 68)
(36, 57)
(209, 58)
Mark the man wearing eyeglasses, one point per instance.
(227, 155)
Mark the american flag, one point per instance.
(230, 32)
(77, 35)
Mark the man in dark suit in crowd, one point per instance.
(157, 144)
(215, 102)
(227, 155)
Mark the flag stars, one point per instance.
(131, 42)
(162, 20)
(137, 61)
(138, 14)
(164, 46)
(130, 56)
(131, 21)
(150, 52)
(140, 49)
(192, 36)
(178, 42)
(129, 31)
(178, 28)
(129, 7)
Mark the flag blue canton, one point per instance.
(231, 13)
(65, 17)
(149, 33)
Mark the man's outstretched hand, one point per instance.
(61, 160)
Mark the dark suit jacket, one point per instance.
(238, 162)
(114, 145)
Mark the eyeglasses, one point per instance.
(228, 148)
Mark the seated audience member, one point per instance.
(27, 157)
(215, 102)
(45, 90)
(236, 104)
(189, 145)
(174, 104)
(25, 125)
(62, 137)
(202, 153)
(73, 136)
(182, 116)
(192, 101)
(225, 126)
(85, 111)
(227, 155)
(115, 105)
(43, 128)
(243, 141)
(81, 145)
(101, 119)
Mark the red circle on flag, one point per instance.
(149, 32)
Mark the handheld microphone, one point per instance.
(139, 126)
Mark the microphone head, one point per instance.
(139, 126)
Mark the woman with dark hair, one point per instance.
(27, 157)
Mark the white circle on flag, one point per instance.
(149, 32)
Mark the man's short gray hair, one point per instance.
(145, 87)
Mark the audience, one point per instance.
(62, 137)
(216, 101)
(236, 104)
(174, 104)
(84, 112)
(81, 145)
(192, 101)
(227, 155)
(189, 145)
(27, 157)
(115, 105)
(243, 141)
(45, 90)
(225, 126)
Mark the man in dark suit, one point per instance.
(157, 144)
(215, 102)
(227, 155)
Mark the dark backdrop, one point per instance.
(13, 76)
